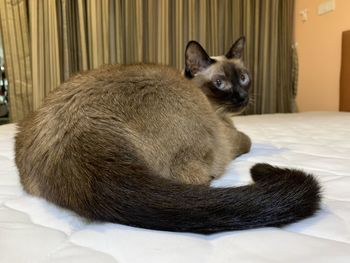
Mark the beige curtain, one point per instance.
(16, 42)
(268, 26)
(69, 36)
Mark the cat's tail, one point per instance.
(276, 198)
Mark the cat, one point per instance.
(139, 145)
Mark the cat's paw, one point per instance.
(244, 143)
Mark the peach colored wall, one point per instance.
(319, 50)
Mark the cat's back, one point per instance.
(152, 109)
(124, 91)
(142, 103)
(139, 86)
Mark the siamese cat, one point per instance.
(139, 144)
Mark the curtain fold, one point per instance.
(14, 26)
(61, 37)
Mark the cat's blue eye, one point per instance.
(244, 79)
(219, 84)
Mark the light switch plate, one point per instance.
(326, 7)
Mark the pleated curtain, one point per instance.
(14, 29)
(46, 41)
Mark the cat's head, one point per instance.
(224, 79)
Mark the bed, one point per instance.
(33, 230)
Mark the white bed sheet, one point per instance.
(32, 230)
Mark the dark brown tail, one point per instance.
(276, 198)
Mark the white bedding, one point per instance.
(32, 230)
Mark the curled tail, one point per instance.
(276, 198)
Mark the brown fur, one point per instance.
(168, 120)
(138, 144)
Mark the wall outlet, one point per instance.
(325, 7)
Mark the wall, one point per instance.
(319, 51)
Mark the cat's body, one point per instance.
(139, 145)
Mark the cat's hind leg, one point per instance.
(190, 168)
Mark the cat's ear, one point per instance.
(196, 59)
(236, 51)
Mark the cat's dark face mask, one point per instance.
(230, 89)
(224, 79)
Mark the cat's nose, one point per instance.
(241, 97)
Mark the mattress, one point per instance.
(33, 230)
